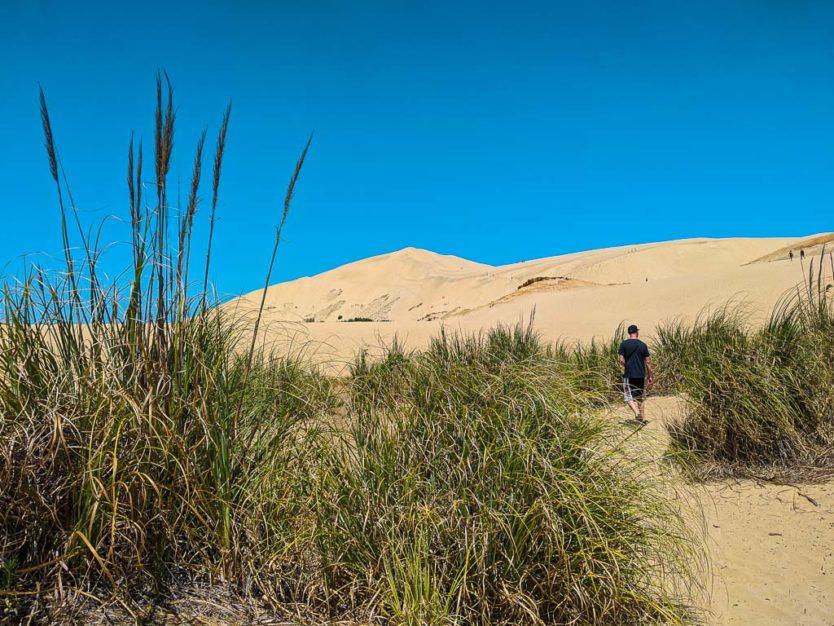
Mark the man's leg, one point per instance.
(638, 390)
(628, 396)
(640, 396)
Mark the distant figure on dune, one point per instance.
(790, 255)
(802, 255)
(636, 362)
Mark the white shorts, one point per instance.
(633, 389)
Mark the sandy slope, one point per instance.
(581, 295)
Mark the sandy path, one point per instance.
(772, 549)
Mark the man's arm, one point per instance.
(649, 369)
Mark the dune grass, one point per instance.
(759, 401)
(148, 441)
(593, 367)
(477, 485)
(139, 441)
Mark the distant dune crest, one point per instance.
(410, 293)
(413, 285)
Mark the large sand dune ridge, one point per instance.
(411, 293)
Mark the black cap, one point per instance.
(632, 329)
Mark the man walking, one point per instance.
(637, 364)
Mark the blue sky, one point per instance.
(495, 131)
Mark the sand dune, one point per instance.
(410, 293)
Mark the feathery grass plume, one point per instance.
(120, 471)
(131, 190)
(188, 220)
(163, 148)
(52, 156)
(139, 237)
(77, 311)
(49, 140)
(218, 163)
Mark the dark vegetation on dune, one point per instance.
(149, 442)
(760, 401)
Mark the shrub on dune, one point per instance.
(759, 401)
(489, 493)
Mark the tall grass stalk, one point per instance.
(119, 406)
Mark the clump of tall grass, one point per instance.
(379, 382)
(139, 441)
(489, 492)
(682, 347)
(759, 401)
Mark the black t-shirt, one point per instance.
(635, 353)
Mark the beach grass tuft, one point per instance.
(759, 400)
